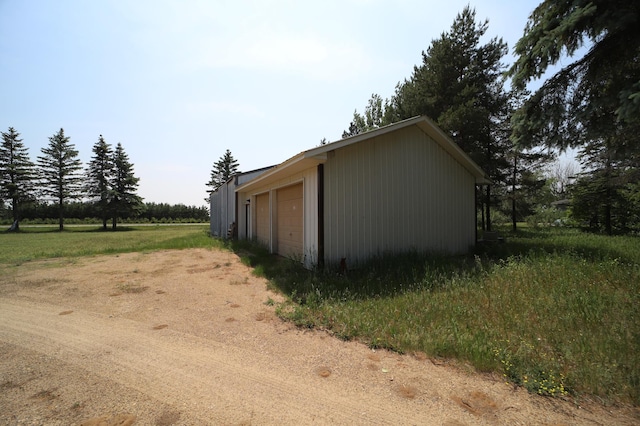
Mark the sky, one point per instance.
(178, 82)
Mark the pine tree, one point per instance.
(99, 174)
(222, 171)
(17, 174)
(526, 182)
(601, 194)
(60, 172)
(358, 125)
(460, 86)
(124, 201)
(592, 104)
(376, 114)
(580, 102)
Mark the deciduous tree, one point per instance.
(560, 178)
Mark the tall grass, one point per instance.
(555, 311)
(46, 242)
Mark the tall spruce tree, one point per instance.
(124, 200)
(593, 103)
(460, 86)
(60, 174)
(601, 194)
(17, 174)
(567, 109)
(99, 174)
(223, 169)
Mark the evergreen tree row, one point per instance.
(39, 212)
(108, 182)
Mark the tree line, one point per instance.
(57, 177)
(592, 105)
(86, 212)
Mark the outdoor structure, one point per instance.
(223, 203)
(402, 187)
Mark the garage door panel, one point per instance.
(295, 222)
(290, 193)
(290, 221)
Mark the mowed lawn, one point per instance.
(42, 242)
(556, 311)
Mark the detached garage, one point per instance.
(402, 187)
(223, 204)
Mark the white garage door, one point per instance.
(290, 226)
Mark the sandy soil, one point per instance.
(186, 338)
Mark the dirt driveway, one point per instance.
(190, 338)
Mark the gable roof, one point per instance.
(318, 155)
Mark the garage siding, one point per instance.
(394, 193)
(263, 217)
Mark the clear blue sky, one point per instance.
(179, 82)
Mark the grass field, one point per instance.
(47, 242)
(556, 311)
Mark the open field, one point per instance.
(43, 242)
(551, 311)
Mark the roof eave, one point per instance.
(293, 165)
(318, 155)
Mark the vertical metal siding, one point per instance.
(310, 221)
(263, 217)
(397, 192)
(214, 218)
(229, 207)
(223, 209)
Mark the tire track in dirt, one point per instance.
(185, 371)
